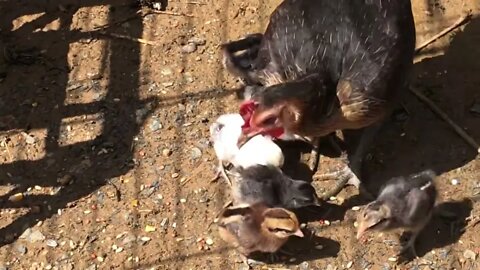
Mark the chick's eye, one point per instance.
(219, 127)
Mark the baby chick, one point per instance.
(257, 228)
(225, 134)
(403, 203)
(269, 185)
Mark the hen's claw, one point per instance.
(342, 177)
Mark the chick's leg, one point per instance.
(350, 174)
(411, 245)
(221, 172)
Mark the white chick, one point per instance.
(259, 150)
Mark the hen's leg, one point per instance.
(350, 174)
(314, 155)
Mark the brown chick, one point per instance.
(257, 228)
(324, 66)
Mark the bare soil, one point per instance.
(106, 139)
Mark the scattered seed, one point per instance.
(52, 243)
(175, 175)
(333, 198)
(149, 228)
(355, 224)
(87, 212)
(292, 259)
(393, 259)
(118, 250)
(164, 222)
(100, 259)
(145, 238)
(134, 203)
(356, 208)
(36, 187)
(183, 200)
(326, 222)
(455, 182)
(349, 264)
(16, 197)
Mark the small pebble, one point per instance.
(209, 241)
(304, 266)
(21, 249)
(196, 153)
(189, 48)
(28, 138)
(166, 152)
(175, 175)
(35, 236)
(197, 41)
(52, 243)
(243, 267)
(469, 254)
(455, 182)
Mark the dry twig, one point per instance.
(445, 31)
(430, 103)
(168, 13)
(139, 40)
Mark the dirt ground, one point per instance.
(104, 154)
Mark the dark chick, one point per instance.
(403, 203)
(257, 228)
(269, 185)
(323, 66)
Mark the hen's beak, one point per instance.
(299, 233)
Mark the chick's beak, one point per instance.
(362, 228)
(299, 233)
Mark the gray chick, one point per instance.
(403, 203)
(269, 185)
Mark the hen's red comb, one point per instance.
(246, 111)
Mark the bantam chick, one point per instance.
(269, 185)
(225, 134)
(257, 228)
(403, 203)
